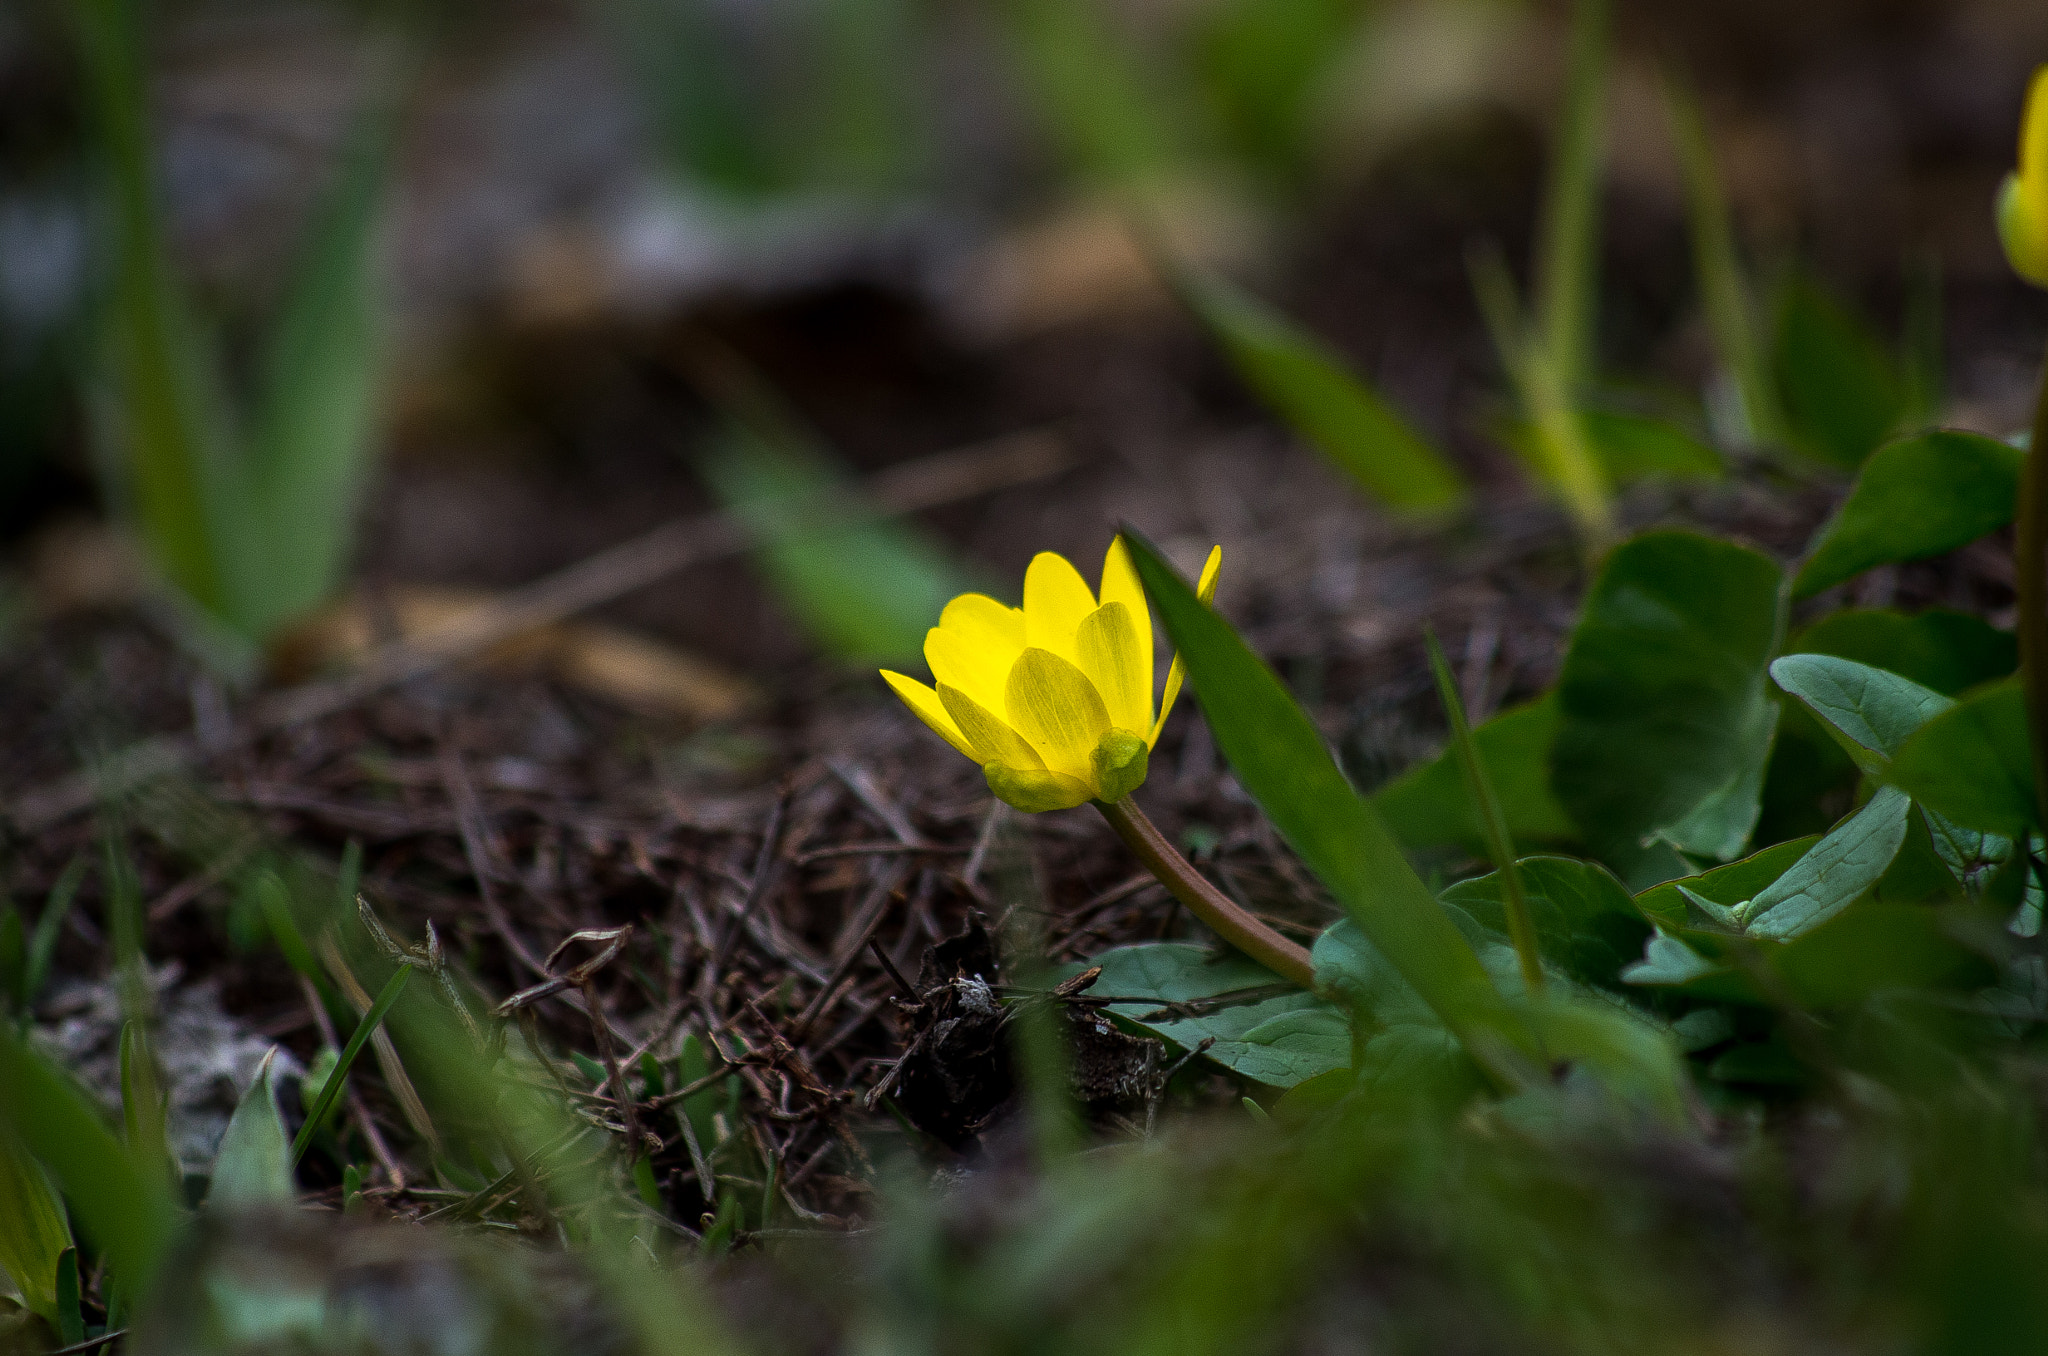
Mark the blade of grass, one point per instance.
(162, 437)
(1726, 293)
(314, 424)
(1331, 407)
(1282, 759)
(1493, 824)
(1564, 454)
(143, 1106)
(331, 1092)
(814, 532)
(1090, 91)
(1567, 262)
(42, 945)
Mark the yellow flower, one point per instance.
(2023, 204)
(1053, 699)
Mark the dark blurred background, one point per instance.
(897, 212)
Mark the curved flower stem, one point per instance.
(1289, 960)
(2030, 574)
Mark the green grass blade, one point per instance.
(867, 589)
(1092, 94)
(1726, 293)
(1333, 409)
(691, 75)
(1281, 758)
(42, 944)
(143, 1107)
(1567, 262)
(331, 1091)
(1560, 451)
(1499, 847)
(127, 1210)
(160, 419)
(314, 424)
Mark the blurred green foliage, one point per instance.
(245, 500)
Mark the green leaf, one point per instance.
(314, 423)
(1947, 651)
(1972, 764)
(1719, 827)
(253, 1167)
(1418, 1062)
(1279, 756)
(1833, 874)
(1669, 963)
(1874, 948)
(1639, 447)
(1915, 498)
(1426, 807)
(331, 1087)
(1970, 855)
(1726, 886)
(1183, 994)
(1662, 699)
(125, 1207)
(1869, 711)
(864, 588)
(70, 1296)
(1586, 922)
(1334, 410)
(1633, 1057)
(1840, 392)
(34, 1234)
(1630, 447)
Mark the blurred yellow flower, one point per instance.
(1053, 699)
(2023, 203)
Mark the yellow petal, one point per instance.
(1054, 706)
(1206, 592)
(1035, 791)
(930, 710)
(1120, 584)
(1213, 566)
(993, 741)
(2034, 134)
(977, 670)
(982, 621)
(1056, 598)
(1107, 644)
(2023, 201)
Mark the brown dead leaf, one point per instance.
(634, 671)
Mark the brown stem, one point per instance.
(1289, 960)
(2030, 573)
